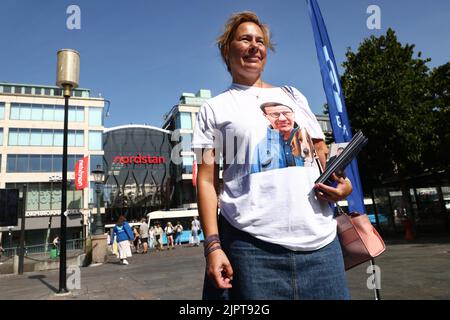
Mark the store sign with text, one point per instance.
(139, 159)
(81, 173)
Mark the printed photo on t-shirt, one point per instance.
(286, 144)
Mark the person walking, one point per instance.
(159, 237)
(195, 232)
(124, 234)
(143, 234)
(151, 236)
(169, 230)
(178, 233)
(275, 237)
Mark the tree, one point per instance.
(387, 97)
(438, 154)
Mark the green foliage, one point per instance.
(398, 103)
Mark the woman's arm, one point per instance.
(218, 267)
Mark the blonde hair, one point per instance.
(224, 40)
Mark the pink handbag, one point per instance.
(360, 241)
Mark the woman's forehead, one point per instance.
(249, 28)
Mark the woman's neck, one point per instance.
(251, 82)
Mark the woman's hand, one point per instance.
(330, 194)
(218, 268)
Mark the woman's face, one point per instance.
(247, 54)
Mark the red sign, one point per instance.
(194, 173)
(81, 173)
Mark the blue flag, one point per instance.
(335, 98)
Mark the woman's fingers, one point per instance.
(220, 270)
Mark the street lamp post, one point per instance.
(99, 239)
(67, 77)
(98, 174)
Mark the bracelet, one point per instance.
(213, 242)
(210, 239)
(207, 252)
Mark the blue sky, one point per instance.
(142, 54)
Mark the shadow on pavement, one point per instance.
(41, 279)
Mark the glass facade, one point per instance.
(39, 162)
(45, 112)
(43, 196)
(95, 117)
(95, 140)
(44, 137)
(2, 110)
(184, 120)
(139, 172)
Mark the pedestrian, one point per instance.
(143, 234)
(55, 244)
(275, 237)
(136, 239)
(178, 233)
(169, 235)
(159, 236)
(124, 234)
(195, 232)
(151, 235)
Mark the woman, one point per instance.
(169, 235)
(275, 237)
(159, 236)
(124, 235)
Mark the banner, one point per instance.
(335, 98)
(194, 173)
(81, 173)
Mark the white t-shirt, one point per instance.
(266, 193)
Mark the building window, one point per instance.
(47, 91)
(6, 89)
(40, 162)
(186, 140)
(184, 120)
(44, 137)
(18, 90)
(47, 196)
(95, 161)
(27, 90)
(37, 91)
(187, 164)
(15, 111)
(1, 137)
(36, 112)
(2, 110)
(95, 140)
(76, 114)
(95, 116)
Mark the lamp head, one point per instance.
(68, 70)
(98, 174)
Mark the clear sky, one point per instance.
(142, 54)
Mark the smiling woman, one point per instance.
(275, 238)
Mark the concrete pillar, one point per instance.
(99, 248)
(16, 264)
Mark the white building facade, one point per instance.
(31, 141)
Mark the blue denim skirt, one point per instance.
(266, 271)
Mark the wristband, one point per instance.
(210, 239)
(211, 249)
